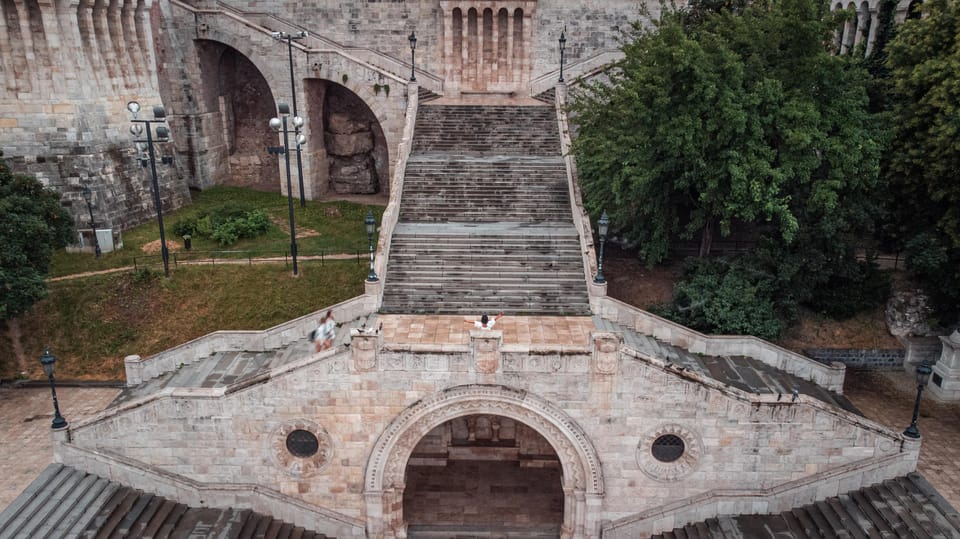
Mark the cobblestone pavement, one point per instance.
(887, 397)
(25, 441)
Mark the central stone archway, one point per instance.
(581, 477)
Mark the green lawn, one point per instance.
(327, 227)
(91, 323)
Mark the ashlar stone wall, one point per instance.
(68, 70)
(610, 408)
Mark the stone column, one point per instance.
(874, 23)
(945, 380)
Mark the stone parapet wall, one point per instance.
(736, 442)
(827, 376)
(139, 370)
(763, 501)
(131, 473)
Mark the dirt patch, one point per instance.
(153, 247)
(631, 281)
(302, 232)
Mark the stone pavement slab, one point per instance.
(26, 446)
(888, 397)
(455, 329)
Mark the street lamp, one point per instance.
(371, 225)
(923, 376)
(48, 361)
(563, 47)
(602, 226)
(87, 196)
(293, 92)
(412, 38)
(163, 135)
(280, 124)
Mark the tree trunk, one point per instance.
(706, 240)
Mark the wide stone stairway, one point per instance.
(485, 219)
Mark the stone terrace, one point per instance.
(485, 219)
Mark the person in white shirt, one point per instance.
(486, 322)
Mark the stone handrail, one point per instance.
(581, 219)
(783, 497)
(383, 63)
(391, 214)
(142, 476)
(140, 369)
(581, 68)
(827, 376)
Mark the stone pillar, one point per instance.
(485, 346)
(133, 368)
(364, 348)
(872, 36)
(945, 379)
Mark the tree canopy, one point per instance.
(724, 115)
(32, 225)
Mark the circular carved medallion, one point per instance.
(669, 452)
(302, 448)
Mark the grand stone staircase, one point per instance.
(485, 220)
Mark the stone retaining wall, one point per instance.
(891, 359)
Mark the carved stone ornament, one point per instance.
(293, 465)
(486, 350)
(676, 469)
(606, 352)
(578, 458)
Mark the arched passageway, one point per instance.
(386, 475)
(237, 91)
(483, 473)
(345, 141)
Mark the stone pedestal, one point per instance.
(364, 345)
(945, 380)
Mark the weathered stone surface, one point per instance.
(907, 313)
(343, 123)
(353, 175)
(349, 145)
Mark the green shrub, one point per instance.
(717, 296)
(226, 224)
(855, 287)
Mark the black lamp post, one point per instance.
(280, 124)
(163, 135)
(88, 196)
(412, 38)
(602, 226)
(293, 92)
(923, 376)
(563, 47)
(371, 225)
(48, 361)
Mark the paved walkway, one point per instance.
(455, 329)
(886, 397)
(25, 440)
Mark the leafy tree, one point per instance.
(32, 225)
(727, 115)
(924, 61)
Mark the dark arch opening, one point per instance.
(237, 133)
(484, 472)
(345, 142)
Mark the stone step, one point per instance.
(486, 130)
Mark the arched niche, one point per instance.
(581, 477)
